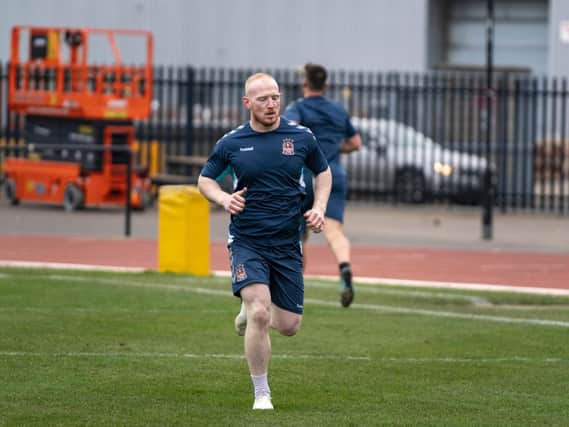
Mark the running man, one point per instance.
(267, 156)
(331, 125)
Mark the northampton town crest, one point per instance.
(288, 147)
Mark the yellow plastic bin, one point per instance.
(183, 230)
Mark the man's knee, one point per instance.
(289, 330)
(290, 327)
(260, 315)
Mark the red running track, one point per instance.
(543, 270)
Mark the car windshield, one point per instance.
(383, 132)
(400, 134)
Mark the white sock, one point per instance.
(242, 310)
(261, 384)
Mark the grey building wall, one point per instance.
(384, 35)
(558, 51)
(355, 35)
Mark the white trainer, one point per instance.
(241, 323)
(263, 401)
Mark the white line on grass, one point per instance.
(448, 314)
(408, 293)
(322, 303)
(57, 309)
(411, 360)
(472, 299)
(465, 286)
(437, 284)
(178, 355)
(114, 282)
(69, 266)
(364, 280)
(473, 360)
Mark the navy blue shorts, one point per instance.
(278, 267)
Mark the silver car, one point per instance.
(400, 160)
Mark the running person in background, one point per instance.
(331, 125)
(267, 156)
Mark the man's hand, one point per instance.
(235, 203)
(314, 220)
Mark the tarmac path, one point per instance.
(426, 244)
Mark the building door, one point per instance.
(520, 34)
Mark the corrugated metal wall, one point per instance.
(359, 35)
(375, 35)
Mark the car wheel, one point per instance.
(73, 198)
(9, 188)
(410, 186)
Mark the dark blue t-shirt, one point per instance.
(270, 165)
(329, 121)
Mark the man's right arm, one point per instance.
(211, 190)
(322, 187)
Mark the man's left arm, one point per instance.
(322, 187)
(353, 143)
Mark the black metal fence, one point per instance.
(424, 134)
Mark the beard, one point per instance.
(264, 119)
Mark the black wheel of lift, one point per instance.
(9, 188)
(73, 198)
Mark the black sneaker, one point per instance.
(347, 290)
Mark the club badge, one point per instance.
(288, 147)
(240, 273)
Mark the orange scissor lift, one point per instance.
(78, 115)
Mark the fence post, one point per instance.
(128, 206)
(487, 214)
(563, 147)
(190, 75)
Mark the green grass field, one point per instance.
(118, 349)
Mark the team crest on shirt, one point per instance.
(240, 273)
(288, 147)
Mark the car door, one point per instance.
(367, 168)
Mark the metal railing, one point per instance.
(424, 134)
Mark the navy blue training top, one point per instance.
(329, 121)
(270, 165)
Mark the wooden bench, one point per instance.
(196, 161)
(171, 179)
(186, 168)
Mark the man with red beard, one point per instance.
(267, 156)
